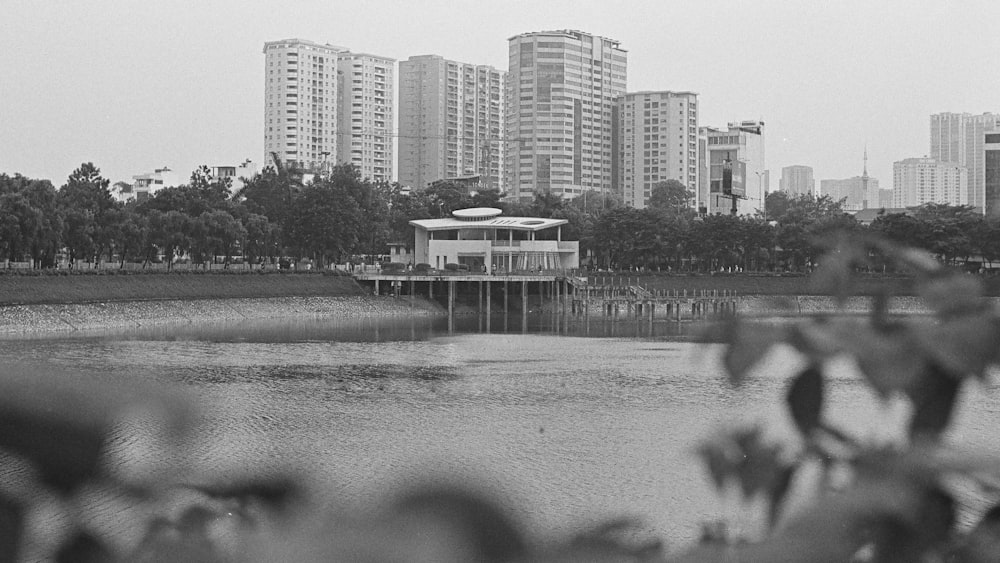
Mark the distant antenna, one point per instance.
(865, 174)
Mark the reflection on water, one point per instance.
(571, 429)
(391, 329)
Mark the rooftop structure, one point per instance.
(146, 185)
(238, 173)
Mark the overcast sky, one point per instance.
(133, 86)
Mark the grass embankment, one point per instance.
(97, 287)
(113, 285)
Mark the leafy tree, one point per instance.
(261, 238)
(326, 225)
(801, 221)
(950, 229)
(546, 204)
(334, 217)
(19, 225)
(671, 196)
(213, 191)
(169, 232)
(716, 243)
(403, 208)
(30, 223)
(446, 196)
(223, 233)
(84, 202)
(486, 198)
(127, 232)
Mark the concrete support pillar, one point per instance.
(506, 297)
(451, 305)
(451, 297)
(558, 305)
(524, 306)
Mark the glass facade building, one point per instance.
(561, 90)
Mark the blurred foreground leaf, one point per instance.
(805, 399)
(59, 422)
(11, 522)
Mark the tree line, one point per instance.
(340, 216)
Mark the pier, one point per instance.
(565, 293)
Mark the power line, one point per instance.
(429, 137)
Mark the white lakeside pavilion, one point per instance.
(480, 237)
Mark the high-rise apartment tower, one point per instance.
(300, 102)
(656, 140)
(366, 86)
(991, 166)
(562, 87)
(916, 181)
(797, 180)
(958, 138)
(451, 119)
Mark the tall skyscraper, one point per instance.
(656, 140)
(561, 90)
(300, 102)
(991, 176)
(366, 86)
(797, 180)
(451, 119)
(958, 138)
(732, 156)
(916, 181)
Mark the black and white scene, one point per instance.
(514, 282)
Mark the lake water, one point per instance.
(571, 422)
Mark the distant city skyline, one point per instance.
(826, 78)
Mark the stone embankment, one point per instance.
(762, 305)
(70, 317)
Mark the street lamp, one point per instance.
(763, 194)
(323, 169)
